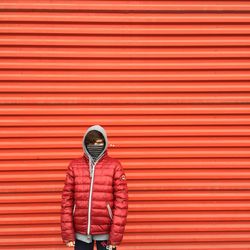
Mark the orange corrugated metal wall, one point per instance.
(169, 80)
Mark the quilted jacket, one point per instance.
(96, 204)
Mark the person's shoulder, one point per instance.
(115, 161)
(76, 161)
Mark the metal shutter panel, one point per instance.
(170, 82)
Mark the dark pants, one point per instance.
(101, 245)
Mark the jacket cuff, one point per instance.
(110, 242)
(67, 240)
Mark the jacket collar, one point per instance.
(104, 155)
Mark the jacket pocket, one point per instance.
(109, 211)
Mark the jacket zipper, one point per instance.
(74, 209)
(90, 196)
(90, 200)
(110, 211)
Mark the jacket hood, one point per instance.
(103, 131)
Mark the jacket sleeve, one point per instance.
(120, 209)
(67, 203)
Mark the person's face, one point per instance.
(98, 142)
(95, 148)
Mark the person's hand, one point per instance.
(111, 247)
(70, 243)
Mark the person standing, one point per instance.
(94, 204)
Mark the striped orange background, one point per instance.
(169, 81)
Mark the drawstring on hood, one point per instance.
(95, 152)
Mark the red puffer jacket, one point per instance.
(108, 205)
